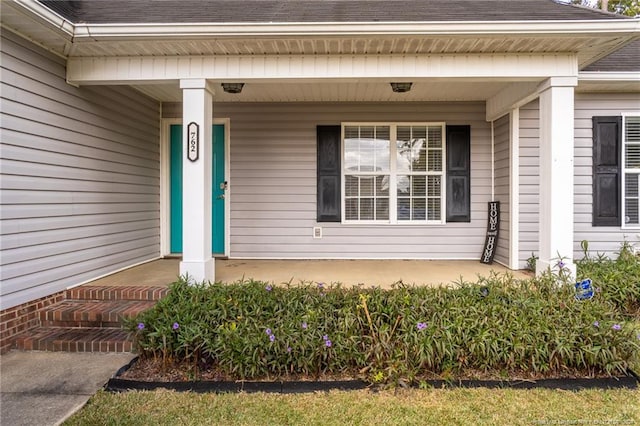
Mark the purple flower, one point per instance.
(561, 264)
(320, 286)
(596, 324)
(325, 337)
(140, 326)
(304, 325)
(421, 325)
(272, 337)
(268, 287)
(289, 349)
(327, 343)
(268, 331)
(176, 326)
(616, 327)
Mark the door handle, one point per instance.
(220, 197)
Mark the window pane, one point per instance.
(366, 209)
(419, 157)
(382, 209)
(434, 187)
(433, 209)
(404, 185)
(419, 186)
(403, 156)
(382, 185)
(435, 160)
(631, 185)
(632, 129)
(350, 186)
(351, 155)
(631, 211)
(351, 209)
(435, 137)
(404, 208)
(419, 209)
(632, 156)
(366, 185)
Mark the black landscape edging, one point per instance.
(116, 384)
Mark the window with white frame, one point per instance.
(631, 169)
(393, 173)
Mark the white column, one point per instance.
(514, 186)
(556, 175)
(197, 107)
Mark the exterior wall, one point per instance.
(529, 181)
(602, 239)
(273, 183)
(501, 155)
(80, 177)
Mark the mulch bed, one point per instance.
(151, 374)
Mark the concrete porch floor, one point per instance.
(381, 273)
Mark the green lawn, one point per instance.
(404, 407)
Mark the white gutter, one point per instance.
(64, 27)
(519, 28)
(609, 76)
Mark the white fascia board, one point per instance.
(135, 69)
(606, 77)
(517, 28)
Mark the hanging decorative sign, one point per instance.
(491, 242)
(193, 141)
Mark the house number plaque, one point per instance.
(491, 242)
(193, 141)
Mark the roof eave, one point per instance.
(299, 29)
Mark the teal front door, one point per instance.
(218, 189)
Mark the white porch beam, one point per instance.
(197, 105)
(129, 70)
(556, 175)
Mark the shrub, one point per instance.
(250, 330)
(617, 280)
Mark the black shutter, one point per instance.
(607, 194)
(458, 174)
(328, 169)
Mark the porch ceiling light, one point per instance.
(232, 87)
(401, 87)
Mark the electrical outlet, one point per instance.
(317, 232)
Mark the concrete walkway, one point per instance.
(381, 273)
(45, 388)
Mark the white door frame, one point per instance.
(165, 184)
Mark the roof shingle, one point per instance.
(283, 11)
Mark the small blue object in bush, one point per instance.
(584, 290)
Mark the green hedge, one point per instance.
(251, 330)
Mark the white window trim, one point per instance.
(393, 196)
(624, 172)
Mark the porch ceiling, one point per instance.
(356, 91)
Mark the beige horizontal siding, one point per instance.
(529, 181)
(80, 187)
(273, 183)
(502, 136)
(602, 239)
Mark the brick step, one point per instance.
(88, 292)
(92, 313)
(65, 339)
